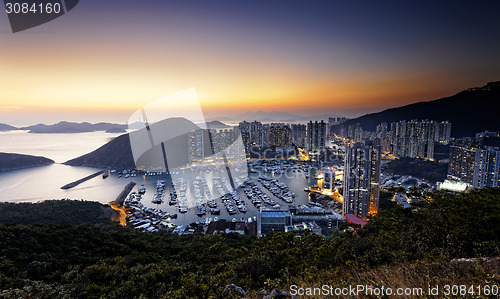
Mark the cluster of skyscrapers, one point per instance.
(476, 162)
(311, 136)
(206, 144)
(256, 135)
(361, 185)
(413, 139)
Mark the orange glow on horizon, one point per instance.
(107, 79)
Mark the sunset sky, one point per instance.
(105, 59)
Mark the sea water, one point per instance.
(44, 182)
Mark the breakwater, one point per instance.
(121, 198)
(78, 182)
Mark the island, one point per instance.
(116, 130)
(6, 127)
(71, 127)
(9, 161)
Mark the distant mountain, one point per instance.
(6, 127)
(470, 111)
(10, 161)
(215, 124)
(267, 116)
(61, 127)
(317, 117)
(116, 130)
(220, 118)
(118, 152)
(274, 116)
(71, 127)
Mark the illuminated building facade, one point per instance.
(196, 148)
(362, 179)
(316, 137)
(486, 168)
(280, 135)
(461, 166)
(299, 135)
(477, 166)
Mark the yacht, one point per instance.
(200, 211)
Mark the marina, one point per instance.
(121, 198)
(193, 199)
(197, 197)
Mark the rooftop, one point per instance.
(351, 218)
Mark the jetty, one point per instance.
(78, 182)
(121, 198)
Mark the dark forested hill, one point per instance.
(114, 154)
(470, 111)
(75, 212)
(400, 247)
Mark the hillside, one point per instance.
(6, 127)
(75, 212)
(470, 111)
(114, 154)
(10, 161)
(118, 153)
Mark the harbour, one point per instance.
(270, 184)
(167, 200)
(43, 183)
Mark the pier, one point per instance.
(121, 198)
(78, 182)
(314, 189)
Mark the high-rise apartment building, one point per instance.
(316, 136)
(477, 166)
(244, 128)
(362, 179)
(196, 146)
(461, 167)
(416, 138)
(280, 135)
(486, 168)
(299, 135)
(256, 136)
